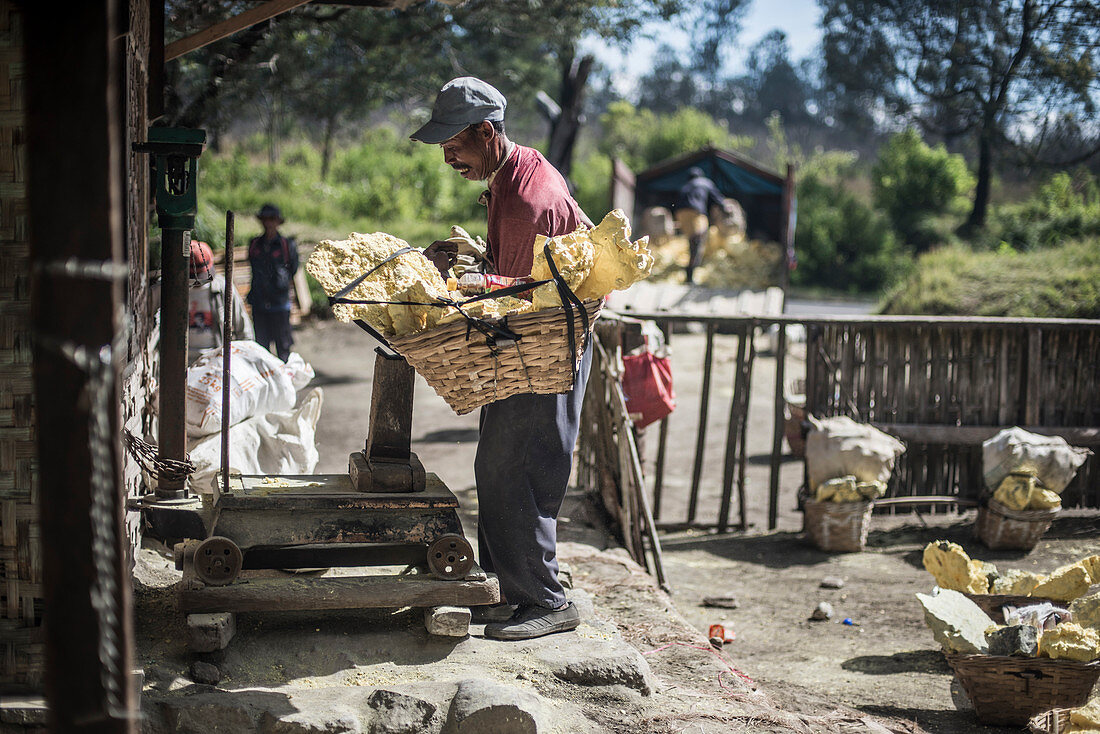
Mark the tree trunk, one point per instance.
(563, 130)
(976, 220)
(326, 146)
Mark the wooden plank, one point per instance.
(777, 431)
(742, 452)
(924, 500)
(1034, 375)
(298, 594)
(946, 322)
(973, 435)
(732, 433)
(701, 433)
(662, 441)
(229, 26)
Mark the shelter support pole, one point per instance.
(74, 144)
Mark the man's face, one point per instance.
(469, 152)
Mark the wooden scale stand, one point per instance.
(385, 511)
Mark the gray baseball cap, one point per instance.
(461, 102)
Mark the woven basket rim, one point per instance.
(1029, 515)
(1060, 662)
(446, 331)
(850, 506)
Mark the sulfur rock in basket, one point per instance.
(408, 277)
(1022, 491)
(573, 255)
(1068, 582)
(490, 308)
(1070, 641)
(1086, 610)
(953, 568)
(1086, 717)
(1016, 582)
(847, 489)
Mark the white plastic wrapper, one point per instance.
(839, 446)
(1044, 616)
(1050, 458)
(275, 443)
(259, 383)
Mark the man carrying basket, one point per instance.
(525, 444)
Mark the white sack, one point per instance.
(276, 443)
(259, 383)
(839, 446)
(1050, 458)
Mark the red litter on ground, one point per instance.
(719, 631)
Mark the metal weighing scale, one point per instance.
(386, 511)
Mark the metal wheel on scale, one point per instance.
(218, 561)
(450, 557)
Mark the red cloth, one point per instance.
(527, 197)
(647, 385)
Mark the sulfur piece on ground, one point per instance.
(952, 568)
(407, 277)
(1070, 641)
(1018, 640)
(1065, 583)
(1086, 610)
(957, 623)
(1015, 582)
(618, 263)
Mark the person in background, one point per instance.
(692, 204)
(205, 310)
(274, 261)
(525, 442)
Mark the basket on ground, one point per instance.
(837, 526)
(468, 372)
(1055, 721)
(1008, 691)
(999, 528)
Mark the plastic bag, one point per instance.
(1050, 458)
(840, 446)
(260, 383)
(647, 379)
(275, 443)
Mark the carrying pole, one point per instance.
(227, 345)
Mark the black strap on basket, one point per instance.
(568, 301)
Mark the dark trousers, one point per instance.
(524, 458)
(695, 255)
(273, 326)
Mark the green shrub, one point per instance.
(1066, 207)
(841, 242)
(1057, 282)
(912, 183)
(592, 177)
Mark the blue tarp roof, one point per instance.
(732, 178)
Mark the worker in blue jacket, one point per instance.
(274, 261)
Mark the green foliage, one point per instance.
(592, 177)
(642, 138)
(1057, 282)
(1065, 207)
(841, 242)
(913, 182)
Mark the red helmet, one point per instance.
(202, 263)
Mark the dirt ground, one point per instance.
(884, 663)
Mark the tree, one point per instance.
(996, 73)
(773, 84)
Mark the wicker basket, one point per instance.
(1050, 722)
(837, 526)
(1008, 691)
(467, 373)
(993, 604)
(1001, 528)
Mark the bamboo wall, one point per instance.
(945, 385)
(21, 647)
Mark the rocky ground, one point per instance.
(640, 662)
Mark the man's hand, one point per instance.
(443, 255)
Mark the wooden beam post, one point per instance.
(75, 141)
(229, 26)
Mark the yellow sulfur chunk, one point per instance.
(1044, 499)
(1066, 583)
(871, 490)
(1087, 716)
(1086, 610)
(1015, 582)
(618, 263)
(1092, 565)
(952, 568)
(1070, 641)
(840, 485)
(1015, 491)
(573, 254)
(335, 263)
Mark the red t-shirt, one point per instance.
(527, 197)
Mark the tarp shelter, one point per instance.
(766, 197)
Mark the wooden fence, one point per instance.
(941, 384)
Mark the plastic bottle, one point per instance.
(472, 284)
